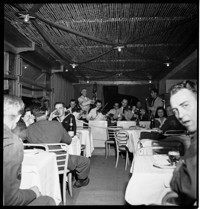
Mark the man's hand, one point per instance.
(36, 190)
(53, 115)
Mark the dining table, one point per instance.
(150, 180)
(134, 137)
(75, 147)
(39, 168)
(86, 139)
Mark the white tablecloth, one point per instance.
(134, 136)
(75, 147)
(39, 168)
(148, 184)
(87, 140)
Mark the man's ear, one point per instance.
(65, 109)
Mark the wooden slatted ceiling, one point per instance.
(146, 29)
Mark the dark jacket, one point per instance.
(184, 180)
(66, 122)
(13, 152)
(172, 123)
(45, 131)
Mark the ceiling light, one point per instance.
(87, 81)
(66, 70)
(73, 65)
(149, 81)
(25, 67)
(26, 18)
(119, 48)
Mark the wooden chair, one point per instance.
(175, 132)
(121, 138)
(60, 149)
(110, 138)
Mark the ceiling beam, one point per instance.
(111, 20)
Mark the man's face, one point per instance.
(84, 92)
(116, 105)
(153, 94)
(60, 109)
(98, 105)
(124, 102)
(184, 106)
(72, 104)
(169, 111)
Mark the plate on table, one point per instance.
(31, 152)
(162, 162)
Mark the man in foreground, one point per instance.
(13, 151)
(183, 101)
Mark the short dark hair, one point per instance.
(62, 103)
(154, 90)
(186, 84)
(98, 101)
(38, 110)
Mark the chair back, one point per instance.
(175, 132)
(126, 124)
(121, 138)
(62, 156)
(111, 132)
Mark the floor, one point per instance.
(107, 183)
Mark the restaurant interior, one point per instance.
(115, 51)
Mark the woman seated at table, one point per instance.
(160, 117)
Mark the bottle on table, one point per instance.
(71, 125)
(138, 121)
(152, 123)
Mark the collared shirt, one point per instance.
(95, 115)
(86, 102)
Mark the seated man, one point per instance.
(95, 113)
(44, 131)
(60, 114)
(13, 152)
(183, 100)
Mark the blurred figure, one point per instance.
(156, 101)
(122, 109)
(13, 153)
(84, 101)
(95, 113)
(172, 122)
(25, 120)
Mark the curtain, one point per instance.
(63, 91)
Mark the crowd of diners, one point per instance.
(36, 124)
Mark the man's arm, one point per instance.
(184, 176)
(65, 136)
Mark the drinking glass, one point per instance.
(174, 156)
